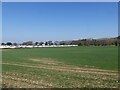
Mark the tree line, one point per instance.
(98, 42)
(82, 42)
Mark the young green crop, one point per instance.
(97, 57)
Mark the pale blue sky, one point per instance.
(58, 21)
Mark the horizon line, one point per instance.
(59, 40)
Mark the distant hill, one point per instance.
(118, 37)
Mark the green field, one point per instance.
(66, 67)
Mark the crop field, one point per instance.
(63, 67)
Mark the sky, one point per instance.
(43, 21)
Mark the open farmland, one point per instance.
(65, 67)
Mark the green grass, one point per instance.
(59, 79)
(98, 57)
(16, 75)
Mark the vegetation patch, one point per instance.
(60, 67)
